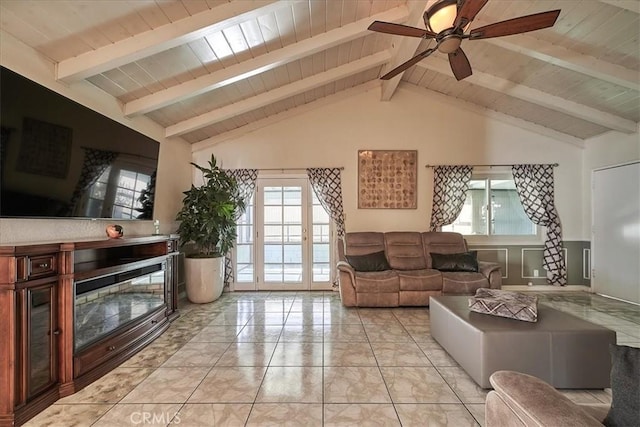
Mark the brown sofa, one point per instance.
(411, 280)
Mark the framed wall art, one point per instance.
(387, 179)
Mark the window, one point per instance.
(116, 193)
(492, 208)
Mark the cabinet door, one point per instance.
(173, 272)
(168, 288)
(41, 366)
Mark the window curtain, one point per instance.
(534, 184)
(450, 184)
(95, 163)
(246, 179)
(327, 184)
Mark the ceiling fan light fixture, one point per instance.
(442, 15)
(447, 22)
(449, 44)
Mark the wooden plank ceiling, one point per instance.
(203, 68)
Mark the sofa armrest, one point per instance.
(521, 399)
(486, 268)
(491, 271)
(345, 266)
(347, 281)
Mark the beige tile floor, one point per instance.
(302, 359)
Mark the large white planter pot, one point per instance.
(204, 279)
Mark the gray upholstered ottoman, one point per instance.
(561, 349)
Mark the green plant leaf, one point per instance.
(209, 212)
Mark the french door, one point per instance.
(284, 239)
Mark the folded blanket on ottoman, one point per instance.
(501, 303)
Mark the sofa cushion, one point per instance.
(513, 305)
(625, 386)
(420, 280)
(404, 250)
(369, 262)
(463, 261)
(363, 242)
(462, 282)
(442, 242)
(377, 281)
(379, 299)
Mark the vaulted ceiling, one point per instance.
(204, 68)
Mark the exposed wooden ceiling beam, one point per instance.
(163, 38)
(260, 64)
(574, 61)
(536, 97)
(278, 94)
(632, 5)
(405, 47)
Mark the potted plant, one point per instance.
(208, 226)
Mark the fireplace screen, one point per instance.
(104, 304)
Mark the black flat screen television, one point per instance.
(61, 159)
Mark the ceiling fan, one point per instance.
(446, 22)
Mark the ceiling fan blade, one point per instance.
(399, 29)
(400, 68)
(460, 64)
(468, 11)
(519, 25)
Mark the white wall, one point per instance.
(174, 175)
(612, 148)
(415, 119)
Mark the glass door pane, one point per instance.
(283, 234)
(99, 310)
(321, 249)
(41, 355)
(245, 264)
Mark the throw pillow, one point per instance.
(465, 261)
(376, 261)
(512, 305)
(625, 387)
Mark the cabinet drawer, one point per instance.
(104, 350)
(42, 266)
(33, 267)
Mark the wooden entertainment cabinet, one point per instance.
(72, 311)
